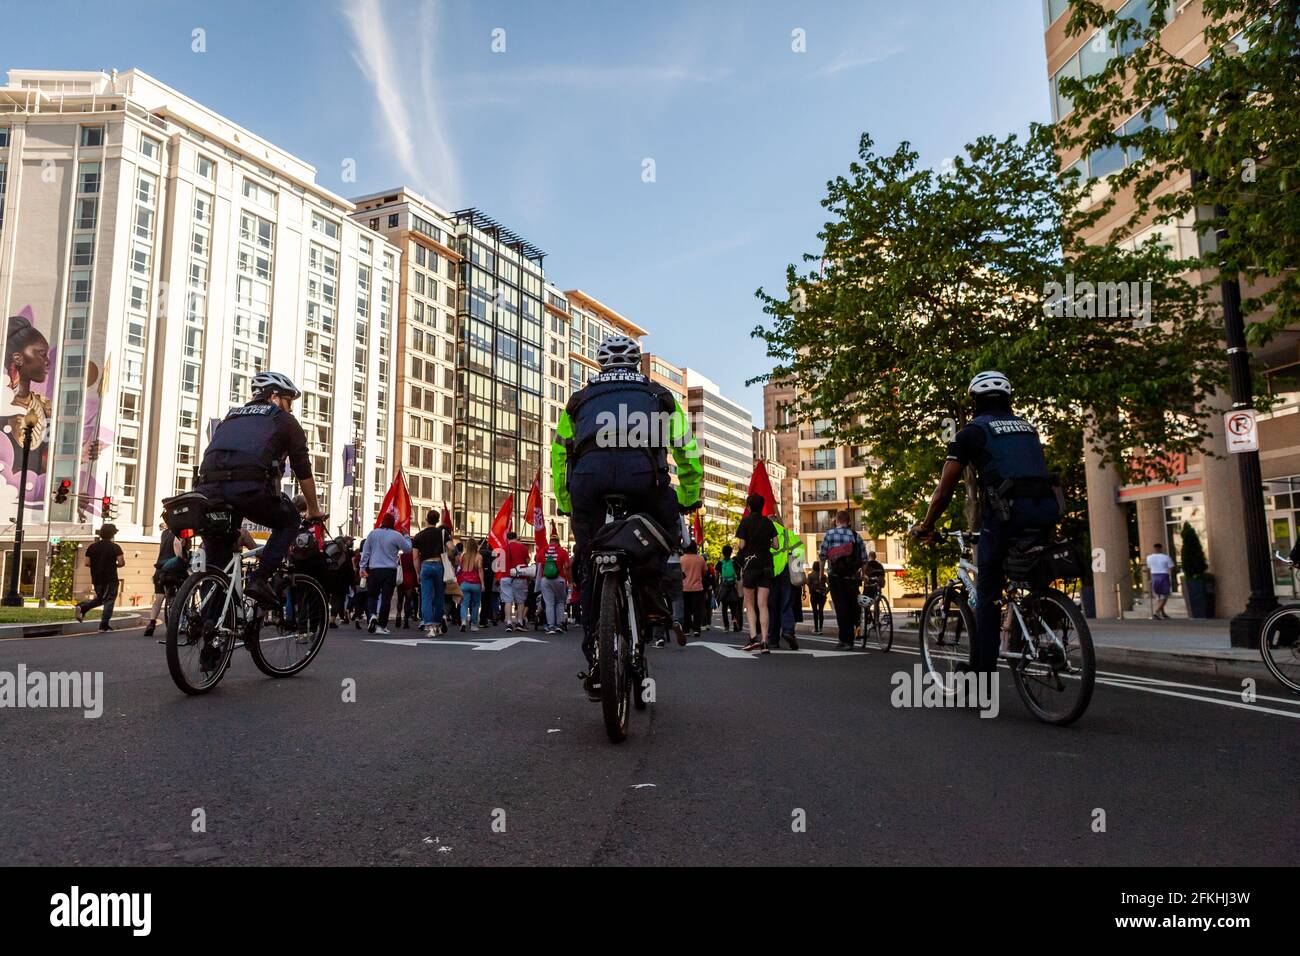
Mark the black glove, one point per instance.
(687, 509)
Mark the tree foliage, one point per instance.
(924, 279)
(1235, 117)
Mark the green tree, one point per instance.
(63, 559)
(1192, 558)
(717, 533)
(1235, 117)
(923, 279)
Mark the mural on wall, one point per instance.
(27, 365)
(95, 437)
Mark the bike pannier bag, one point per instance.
(639, 536)
(196, 513)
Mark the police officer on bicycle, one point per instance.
(1019, 497)
(243, 466)
(613, 439)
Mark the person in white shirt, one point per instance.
(381, 555)
(1160, 565)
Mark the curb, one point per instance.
(67, 628)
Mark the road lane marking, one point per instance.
(730, 650)
(499, 644)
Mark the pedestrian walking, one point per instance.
(514, 581)
(817, 591)
(103, 558)
(469, 575)
(845, 554)
(693, 596)
(171, 552)
(756, 533)
(553, 582)
(487, 605)
(380, 558)
(1161, 567)
(427, 549)
(787, 550)
(407, 592)
(729, 594)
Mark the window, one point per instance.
(129, 407)
(206, 167)
(92, 136)
(150, 147)
(4, 137)
(258, 193)
(203, 207)
(88, 178)
(83, 250)
(85, 217)
(327, 227)
(392, 221)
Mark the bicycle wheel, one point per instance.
(199, 639)
(1058, 684)
(615, 687)
(294, 633)
(947, 628)
(1279, 645)
(884, 626)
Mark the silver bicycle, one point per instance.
(1279, 640)
(211, 614)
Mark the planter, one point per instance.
(1199, 594)
(1088, 596)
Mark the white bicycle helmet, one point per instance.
(268, 383)
(619, 351)
(989, 383)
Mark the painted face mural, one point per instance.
(27, 367)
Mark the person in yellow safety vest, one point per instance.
(782, 598)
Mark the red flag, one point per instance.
(698, 528)
(397, 502)
(501, 523)
(533, 512)
(555, 532)
(760, 485)
(446, 516)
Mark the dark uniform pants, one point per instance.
(587, 491)
(260, 503)
(991, 553)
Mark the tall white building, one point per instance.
(159, 255)
(724, 434)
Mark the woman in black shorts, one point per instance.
(756, 533)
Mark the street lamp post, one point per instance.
(12, 598)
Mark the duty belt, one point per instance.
(236, 474)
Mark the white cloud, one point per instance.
(388, 50)
(847, 61)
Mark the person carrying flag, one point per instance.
(590, 460)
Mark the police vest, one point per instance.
(1013, 452)
(622, 410)
(243, 445)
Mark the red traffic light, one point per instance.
(107, 501)
(61, 495)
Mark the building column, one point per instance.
(1151, 524)
(1108, 528)
(1225, 518)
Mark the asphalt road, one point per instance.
(445, 740)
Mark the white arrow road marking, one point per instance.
(500, 644)
(730, 650)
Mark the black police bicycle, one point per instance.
(621, 627)
(1046, 642)
(211, 614)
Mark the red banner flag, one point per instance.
(697, 528)
(501, 523)
(533, 513)
(446, 516)
(397, 502)
(760, 485)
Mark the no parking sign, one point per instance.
(1240, 430)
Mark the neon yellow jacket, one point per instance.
(785, 544)
(686, 455)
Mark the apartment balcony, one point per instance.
(820, 496)
(808, 434)
(817, 466)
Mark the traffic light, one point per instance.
(108, 510)
(65, 486)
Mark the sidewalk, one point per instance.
(1195, 646)
(69, 627)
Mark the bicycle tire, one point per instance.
(1272, 639)
(886, 640)
(181, 615)
(614, 683)
(1087, 675)
(319, 630)
(941, 652)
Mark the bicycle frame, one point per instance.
(234, 570)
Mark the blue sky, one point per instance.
(550, 135)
